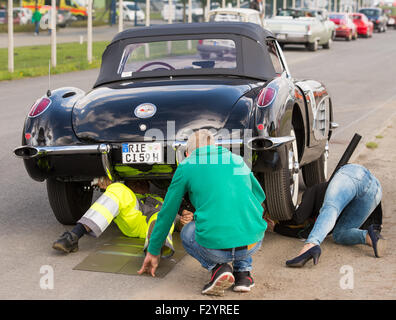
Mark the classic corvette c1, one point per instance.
(154, 89)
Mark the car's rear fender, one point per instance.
(274, 120)
(319, 115)
(52, 127)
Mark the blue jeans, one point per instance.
(37, 27)
(355, 192)
(241, 259)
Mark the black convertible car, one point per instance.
(155, 87)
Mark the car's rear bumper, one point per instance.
(342, 33)
(292, 38)
(85, 162)
(362, 30)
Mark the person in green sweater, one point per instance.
(228, 223)
(36, 20)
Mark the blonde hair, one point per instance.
(199, 139)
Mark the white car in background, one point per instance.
(128, 11)
(236, 14)
(25, 15)
(177, 11)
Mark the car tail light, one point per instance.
(266, 96)
(39, 107)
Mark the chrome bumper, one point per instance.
(288, 37)
(104, 149)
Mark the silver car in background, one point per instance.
(236, 14)
(311, 28)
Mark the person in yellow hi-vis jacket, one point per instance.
(131, 207)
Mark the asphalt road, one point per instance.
(360, 75)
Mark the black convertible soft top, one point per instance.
(252, 56)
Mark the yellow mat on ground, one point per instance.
(125, 255)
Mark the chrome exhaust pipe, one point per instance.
(30, 152)
(268, 143)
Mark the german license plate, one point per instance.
(150, 152)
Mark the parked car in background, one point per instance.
(76, 10)
(377, 16)
(176, 11)
(135, 121)
(390, 12)
(4, 17)
(365, 27)
(236, 14)
(311, 28)
(345, 28)
(65, 18)
(25, 15)
(129, 9)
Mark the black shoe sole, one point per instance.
(59, 247)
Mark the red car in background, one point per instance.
(364, 26)
(345, 28)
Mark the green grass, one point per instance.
(379, 137)
(32, 61)
(155, 15)
(371, 145)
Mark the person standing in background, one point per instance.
(36, 20)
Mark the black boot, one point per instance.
(68, 242)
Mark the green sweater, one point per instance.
(36, 16)
(226, 195)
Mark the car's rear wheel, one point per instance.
(327, 44)
(312, 46)
(349, 37)
(316, 171)
(69, 200)
(281, 187)
(204, 55)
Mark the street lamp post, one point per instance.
(121, 16)
(147, 13)
(10, 37)
(53, 33)
(89, 32)
(146, 45)
(274, 8)
(206, 12)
